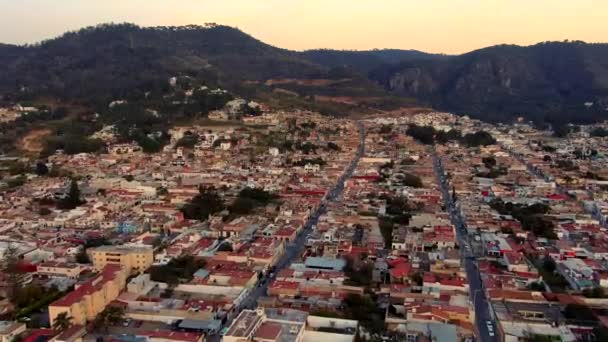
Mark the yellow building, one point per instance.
(91, 297)
(134, 259)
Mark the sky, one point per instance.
(439, 26)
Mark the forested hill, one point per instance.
(556, 81)
(113, 60)
(545, 82)
(365, 61)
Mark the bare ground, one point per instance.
(33, 142)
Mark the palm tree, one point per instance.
(62, 321)
(112, 315)
(115, 314)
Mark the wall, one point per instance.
(317, 336)
(318, 322)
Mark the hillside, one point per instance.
(364, 61)
(545, 82)
(114, 60)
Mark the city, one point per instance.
(303, 171)
(389, 228)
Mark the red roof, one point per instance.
(393, 262)
(37, 334)
(90, 286)
(268, 331)
(281, 284)
(402, 270)
(557, 197)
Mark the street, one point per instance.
(476, 292)
(295, 248)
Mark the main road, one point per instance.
(483, 316)
(297, 246)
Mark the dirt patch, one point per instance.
(285, 91)
(349, 100)
(320, 82)
(33, 142)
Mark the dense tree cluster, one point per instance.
(481, 138)
(304, 161)
(532, 217)
(599, 132)
(429, 135)
(250, 199)
(494, 170)
(358, 273)
(424, 134)
(207, 202)
(187, 141)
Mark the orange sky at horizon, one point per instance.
(439, 26)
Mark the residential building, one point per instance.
(92, 296)
(135, 259)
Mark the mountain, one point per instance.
(544, 82)
(113, 60)
(365, 61)
(552, 81)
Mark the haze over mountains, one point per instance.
(545, 82)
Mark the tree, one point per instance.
(562, 130)
(443, 137)
(599, 132)
(358, 274)
(206, 203)
(489, 162)
(111, 315)
(225, 247)
(386, 129)
(601, 333)
(249, 199)
(72, 200)
(596, 292)
(243, 206)
(44, 211)
(27, 295)
(62, 322)
(333, 146)
(9, 265)
(537, 286)
(417, 279)
(412, 181)
(481, 138)
(386, 228)
(82, 257)
(424, 134)
(41, 169)
(579, 312)
(187, 141)
(364, 310)
(549, 265)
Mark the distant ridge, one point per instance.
(547, 81)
